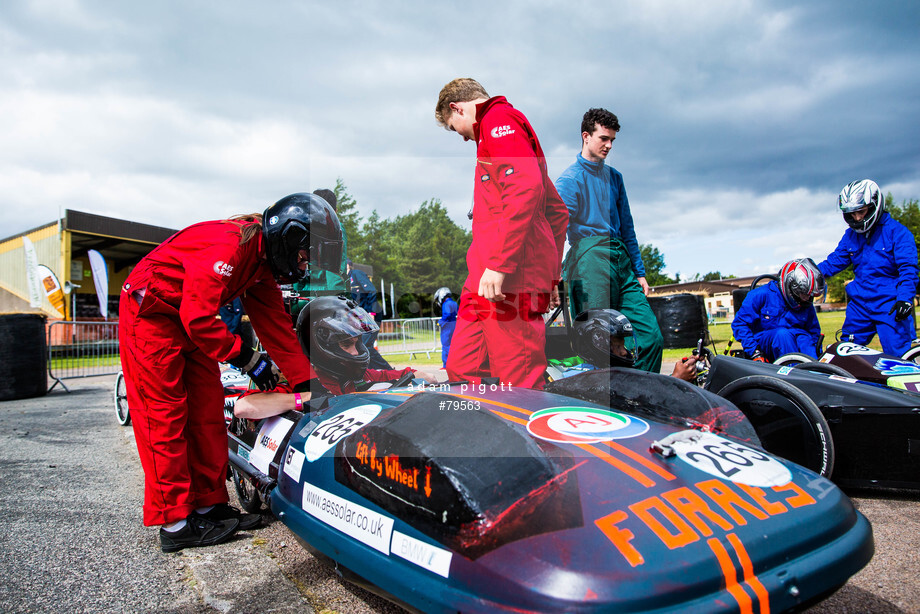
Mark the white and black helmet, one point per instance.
(440, 295)
(856, 195)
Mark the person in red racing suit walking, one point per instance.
(519, 225)
(171, 342)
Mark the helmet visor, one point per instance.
(353, 324)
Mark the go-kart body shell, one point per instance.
(870, 365)
(519, 500)
(875, 427)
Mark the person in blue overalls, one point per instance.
(883, 253)
(364, 294)
(444, 300)
(780, 317)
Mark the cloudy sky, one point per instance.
(741, 119)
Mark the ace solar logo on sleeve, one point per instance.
(583, 425)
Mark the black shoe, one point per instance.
(198, 531)
(224, 511)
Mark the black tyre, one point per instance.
(823, 367)
(912, 355)
(788, 423)
(760, 278)
(122, 413)
(793, 358)
(250, 499)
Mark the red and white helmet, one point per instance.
(800, 281)
(856, 195)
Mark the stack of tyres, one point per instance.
(23, 356)
(681, 318)
(738, 297)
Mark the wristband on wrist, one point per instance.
(298, 402)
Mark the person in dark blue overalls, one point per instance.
(364, 294)
(883, 253)
(231, 314)
(444, 300)
(780, 318)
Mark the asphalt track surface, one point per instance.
(71, 537)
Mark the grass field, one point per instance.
(831, 322)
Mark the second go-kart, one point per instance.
(853, 416)
(611, 491)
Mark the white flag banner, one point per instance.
(101, 280)
(52, 288)
(35, 289)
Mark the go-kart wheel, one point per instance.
(250, 499)
(823, 367)
(122, 413)
(786, 420)
(793, 358)
(912, 355)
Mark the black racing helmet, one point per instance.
(598, 331)
(323, 324)
(301, 222)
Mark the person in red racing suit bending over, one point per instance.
(171, 342)
(330, 330)
(519, 226)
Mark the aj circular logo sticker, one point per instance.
(583, 425)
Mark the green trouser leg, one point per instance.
(603, 278)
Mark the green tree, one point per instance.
(908, 213)
(347, 211)
(653, 260)
(431, 251)
(835, 285)
(715, 276)
(417, 253)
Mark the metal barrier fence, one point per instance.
(82, 349)
(410, 336)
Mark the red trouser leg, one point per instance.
(176, 402)
(468, 358)
(506, 340)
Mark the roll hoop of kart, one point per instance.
(611, 491)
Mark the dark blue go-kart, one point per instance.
(611, 491)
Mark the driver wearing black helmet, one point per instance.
(604, 338)
(330, 330)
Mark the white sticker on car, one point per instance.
(352, 519)
(293, 463)
(330, 432)
(432, 558)
(732, 461)
(271, 435)
(847, 348)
